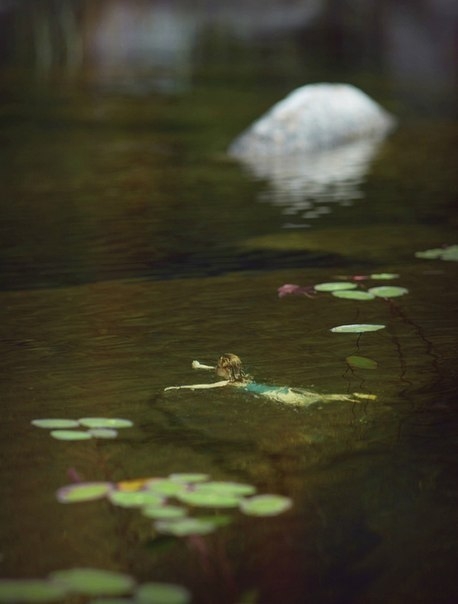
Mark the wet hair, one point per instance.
(231, 365)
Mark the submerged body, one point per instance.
(292, 396)
(229, 366)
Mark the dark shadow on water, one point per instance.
(345, 579)
(177, 266)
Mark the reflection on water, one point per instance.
(306, 186)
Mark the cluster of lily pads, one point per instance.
(103, 586)
(448, 252)
(349, 288)
(70, 429)
(170, 501)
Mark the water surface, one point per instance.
(131, 245)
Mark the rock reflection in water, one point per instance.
(306, 186)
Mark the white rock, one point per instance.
(312, 118)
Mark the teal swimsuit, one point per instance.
(265, 389)
(283, 394)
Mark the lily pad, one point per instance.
(94, 582)
(162, 593)
(166, 486)
(354, 294)
(334, 286)
(357, 328)
(431, 254)
(388, 291)
(384, 276)
(361, 362)
(185, 527)
(55, 424)
(134, 499)
(30, 590)
(265, 505)
(105, 422)
(451, 253)
(163, 512)
(222, 487)
(103, 433)
(209, 499)
(86, 491)
(70, 435)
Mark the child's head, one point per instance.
(229, 367)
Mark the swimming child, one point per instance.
(230, 368)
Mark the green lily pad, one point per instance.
(94, 582)
(361, 362)
(357, 328)
(209, 499)
(334, 286)
(166, 486)
(86, 491)
(55, 423)
(451, 253)
(222, 487)
(189, 477)
(388, 291)
(354, 294)
(185, 527)
(265, 505)
(30, 590)
(384, 276)
(163, 512)
(105, 422)
(134, 499)
(70, 435)
(431, 254)
(103, 433)
(162, 593)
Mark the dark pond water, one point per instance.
(131, 245)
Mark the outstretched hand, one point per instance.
(197, 365)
